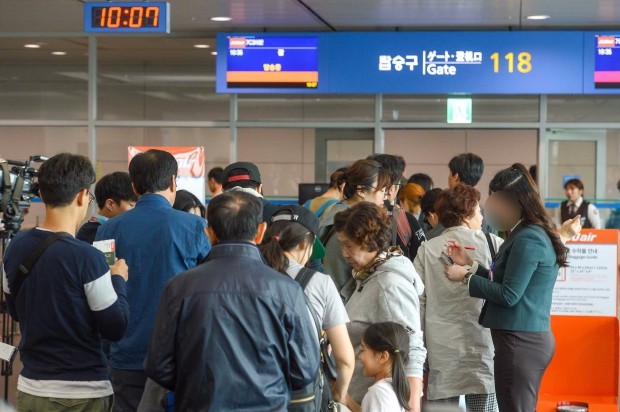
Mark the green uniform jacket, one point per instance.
(524, 273)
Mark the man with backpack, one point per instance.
(407, 232)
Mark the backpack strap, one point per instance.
(325, 206)
(491, 246)
(329, 232)
(303, 278)
(394, 221)
(31, 260)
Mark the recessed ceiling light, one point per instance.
(59, 53)
(221, 18)
(201, 46)
(538, 17)
(32, 46)
(214, 53)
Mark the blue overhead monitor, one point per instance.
(607, 62)
(258, 62)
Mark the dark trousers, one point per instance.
(521, 359)
(128, 387)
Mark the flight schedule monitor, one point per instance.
(272, 62)
(607, 62)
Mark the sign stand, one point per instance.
(585, 325)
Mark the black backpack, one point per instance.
(317, 396)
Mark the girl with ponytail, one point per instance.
(384, 355)
(289, 243)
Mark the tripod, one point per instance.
(8, 324)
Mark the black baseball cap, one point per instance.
(250, 169)
(303, 216)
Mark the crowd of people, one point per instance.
(380, 293)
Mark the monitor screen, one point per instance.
(272, 62)
(607, 62)
(309, 191)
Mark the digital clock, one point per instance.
(143, 17)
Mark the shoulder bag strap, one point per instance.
(491, 246)
(28, 264)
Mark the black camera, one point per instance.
(18, 186)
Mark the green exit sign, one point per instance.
(459, 110)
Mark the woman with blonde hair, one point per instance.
(410, 198)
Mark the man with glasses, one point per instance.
(408, 235)
(65, 298)
(158, 243)
(114, 196)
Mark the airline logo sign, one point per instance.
(243, 42)
(588, 286)
(607, 41)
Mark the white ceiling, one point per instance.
(193, 16)
(21, 21)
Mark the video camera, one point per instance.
(18, 186)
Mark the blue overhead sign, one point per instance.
(549, 62)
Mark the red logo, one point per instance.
(236, 42)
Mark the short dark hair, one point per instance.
(152, 170)
(574, 182)
(429, 200)
(366, 224)
(217, 174)
(456, 205)
(62, 177)
(115, 186)
(394, 165)
(186, 201)
(235, 216)
(468, 166)
(423, 180)
(245, 184)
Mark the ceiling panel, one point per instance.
(573, 14)
(346, 14)
(193, 16)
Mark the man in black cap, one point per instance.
(245, 176)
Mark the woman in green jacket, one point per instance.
(517, 287)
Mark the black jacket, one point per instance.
(233, 335)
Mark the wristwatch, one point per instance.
(468, 276)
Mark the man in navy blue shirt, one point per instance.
(158, 242)
(68, 301)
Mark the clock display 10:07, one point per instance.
(132, 17)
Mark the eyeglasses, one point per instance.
(90, 198)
